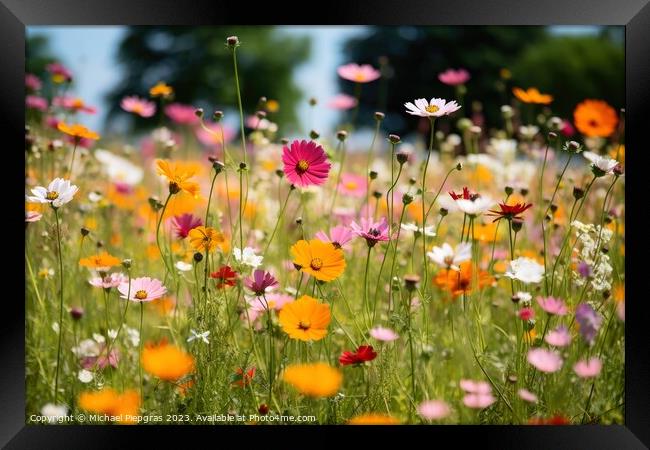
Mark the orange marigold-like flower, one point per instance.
(166, 361)
(314, 380)
(319, 259)
(595, 118)
(101, 262)
(373, 419)
(161, 89)
(178, 176)
(532, 95)
(125, 407)
(458, 282)
(77, 131)
(305, 319)
(205, 239)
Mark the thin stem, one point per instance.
(58, 352)
(277, 222)
(162, 213)
(424, 215)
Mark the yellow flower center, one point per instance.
(360, 77)
(351, 185)
(52, 195)
(304, 325)
(141, 294)
(302, 166)
(431, 108)
(316, 263)
(137, 108)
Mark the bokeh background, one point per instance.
(292, 64)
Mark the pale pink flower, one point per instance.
(340, 236)
(257, 306)
(213, 137)
(478, 401)
(32, 216)
(560, 337)
(139, 106)
(342, 102)
(74, 104)
(433, 410)
(383, 334)
(453, 77)
(359, 74)
(32, 82)
(353, 185)
(475, 387)
(36, 102)
(526, 395)
(144, 289)
(552, 305)
(588, 368)
(109, 281)
(545, 360)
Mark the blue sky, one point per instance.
(90, 51)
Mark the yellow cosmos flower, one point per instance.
(77, 131)
(314, 380)
(166, 362)
(532, 95)
(204, 239)
(161, 89)
(178, 176)
(125, 406)
(319, 259)
(101, 262)
(305, 319)
(373, 419)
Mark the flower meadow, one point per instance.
(472, 276)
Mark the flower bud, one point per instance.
(618, 170)
(198, 257)
(198, 112)
(341, 135)
(126, 263)
(85, 231)
(242, 166)
(512, 379)
(260, 114)
(509, 190)
(517, 225)
(279, 173)
(443, 212)
(552, 136)
(263, 409)
(507, 112)
(313, 101)
(411, 281)
(313, 134)
(553, 208)
(232, 42)
(284, 141)
(377, 194)
(394, 139)
(572, 147)
(298, 220)
(402, 157)
(218, 166)
(407, 199)
(76, 312)
(459, 167)
(515, 298)
(523, 191)
(379, 116)
(217, 116)
(578, 193)
(373, 175)
(412, 181)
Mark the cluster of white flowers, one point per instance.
(598, 262)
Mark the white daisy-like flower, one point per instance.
(119, 169)
(524, 297)
(415, 229)
(437, 107)
(94, 196)
(602, 163)
(86, 348)
(54, 412)
(85, 376)
(202, 336)
(247, 257)
(134, 336)
(58, 193)
(99, 338)
(112, 334)
(525, 270)
(475, 207)
(182, 266)
(450, 258)
(504, 149)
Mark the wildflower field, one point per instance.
(209, 274)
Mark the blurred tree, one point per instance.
(197, 64)
(573, 69)
(37, 54)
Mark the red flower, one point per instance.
(242, 379)
(225, 276)
(364, 353)
(510, 212)
(557, 419)
(465, 195)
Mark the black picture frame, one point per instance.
(15, 15)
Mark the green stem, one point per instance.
(58, 352)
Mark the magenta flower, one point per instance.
(305, 163)
(139, 106)
(544, 360)
(184, 223)
(433, 410)
(342, 102)
(339, 236)
(36, 102)
(213, 137)
(109, 281)
(260, 282)
(526, 314)
(182, 114)
(372, 232)
(589, 321)
(584, 269)
(359, 74)
(144, 289)
(560, 337)
(588, 368)
(453, 77)
(552, 305)
(59, 71)
(32, 82)
(353, 185)
(383, 334)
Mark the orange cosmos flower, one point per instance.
(532, 95)
(101, 262)
(204, 239)
(125, 406)
(77, 131)
(166, 362)
(178, 176)
(161, 89)
(595, 118)
(305, 319)
(319, 259)
(458, 282)
(314, 380)
(373, 419)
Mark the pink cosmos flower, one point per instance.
(305, 163)
(184, 223)
(620, 310)
(433, 410)
(32, 216)
(475, 387)
(342, 102)
(353, 185)
(109, 281)
(589, 368)
(526, 395)
(544, 360)
(36, 102)
(59, 70)
(32, 82)
(567, 129)
(560, 337)
(255, 123)
(478, 401)
(101, 361)
(372, 232)
(257, 305)
(383, 334)
(260, 282)
(526, 314)
(213, 138)
(144, 289)
(552, 305)
(139, 106)
(345, 216)
(359, 74)
(52, 122)
(340, 236)
(182, 114)
(73, 104)
(453, 77)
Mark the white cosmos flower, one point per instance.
(202, 336)
(437, 107)
(58, 193)
(524, 297)
(475, 207)
(504, 149)
(415, 229)
(449, 258)
(525, 270)
(54, 412)
(602, 163)
(85, 376)
(183, 266)
(134, 336)
(248, 257)
(118, 168)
